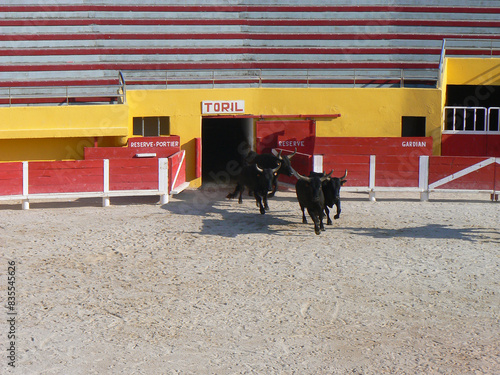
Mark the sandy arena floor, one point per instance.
(206, 286)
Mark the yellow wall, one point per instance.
(63, 121)
(49, 148)
(57, 133)
(364, 112)
(62, 132)
(472, 71)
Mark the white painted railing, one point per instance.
(463, 120)
(105, 194)
(424, 185)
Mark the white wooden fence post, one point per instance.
(423, 178)
(317, 163)
(371, 183)
(26, 202)
(105, 198)
(163, 180)
(495, 187)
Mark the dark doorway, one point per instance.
(412, 126)
(472, 96)
(224, 144)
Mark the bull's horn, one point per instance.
(344, 176)
(291, 156)
(279, 155)
(298, 176)
(259, 169)
(277, 168)
(326, 177)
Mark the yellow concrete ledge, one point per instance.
(64, 122)
(64, 133)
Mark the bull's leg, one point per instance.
(321, 216)
(259, 202)
(304, 220)
(316, 221)
(236, 190)
(266, 206)
(338, 210)
(275, 187)
(328, 220)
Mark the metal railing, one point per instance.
(64, 95)
(470, 48)
(241, 78)
(458, 119)
(280, 78)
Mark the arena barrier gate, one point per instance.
(100, 178)
(420, 174)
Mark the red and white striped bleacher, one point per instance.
(86, 43)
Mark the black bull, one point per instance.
(316, 193)
(331, 190)
(270, 161)
(259, 181)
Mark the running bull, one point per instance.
(331, 190)
(259, 181)
(310, 195)
(269, 161)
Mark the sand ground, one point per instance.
(204, 285)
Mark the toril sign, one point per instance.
(222, 107)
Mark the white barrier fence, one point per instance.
(105, 194)
(424, 186)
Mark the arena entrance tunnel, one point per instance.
(225, 142)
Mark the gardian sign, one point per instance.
(209, 107)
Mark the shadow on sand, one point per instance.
(429, 231)
(81, 202)
(225, 217)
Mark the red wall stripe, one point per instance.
(231, 50)
(248, 22)
(211, 66)
(242, 8)
(236, 36)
